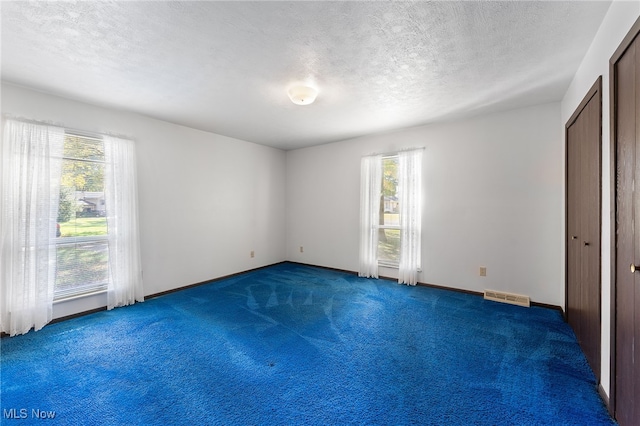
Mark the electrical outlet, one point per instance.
(301, 249)
(253, 254)
(483, 271)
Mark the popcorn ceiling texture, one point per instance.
(225, 67)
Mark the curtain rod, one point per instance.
(31, 121)
(390, 154)
(76, 132)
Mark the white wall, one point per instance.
(493, 197)
(617, 22)
(206, 200)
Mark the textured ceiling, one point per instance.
(225, 67)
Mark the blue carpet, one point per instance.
(296, 345)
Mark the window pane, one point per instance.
(389, 208)
(81, 175)
(83, 148)
(81, 210)
(81, 267)
(389, 239)
(82, 251)
(389, 246)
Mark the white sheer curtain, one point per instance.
(370, 190)
(121, 202)
(31, 164)
(410, 200)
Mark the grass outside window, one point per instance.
(84, 227)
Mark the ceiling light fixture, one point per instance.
(302, 95)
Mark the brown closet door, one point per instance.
(626, 102)
(583, 138)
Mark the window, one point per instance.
(82, 248)
(390, 214)
(68, 222)
(389, 229)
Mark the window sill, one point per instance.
(392, 266)
(79, 296)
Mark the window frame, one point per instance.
(384, 262)
(95, 288)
